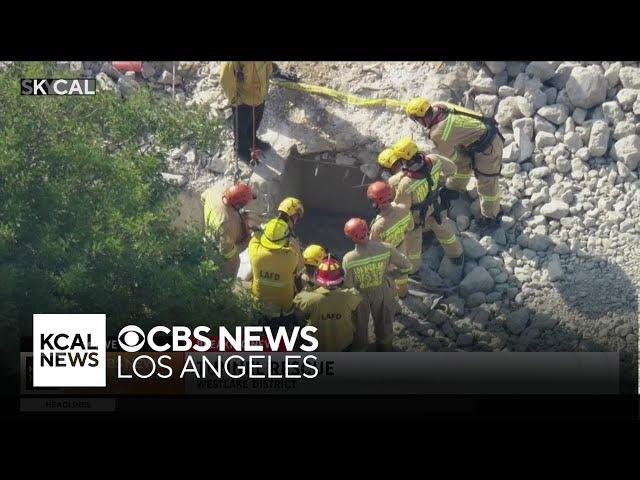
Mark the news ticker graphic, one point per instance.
(57, 86)
(348, 373)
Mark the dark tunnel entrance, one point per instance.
(331, 194)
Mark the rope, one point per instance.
(341, 96)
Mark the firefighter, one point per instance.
(313, 255)
(330, 308)
(390, 163)
(273, 266)
(473, 142)
(246, 85)
(393, 222)
(417, 186)
(291, 211)
(365, 269)
(225, 222)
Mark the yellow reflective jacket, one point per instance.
(332, 312)
(456, 131)
(224, 223)
(392, 224)
(245, 83)
(365, 266)
(273, 276)
(412, 191)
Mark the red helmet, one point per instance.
(238, 195)
(329, 273)
(356, 229)
(379, 193)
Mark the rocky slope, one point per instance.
(563, 271)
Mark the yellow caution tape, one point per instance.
(341, 96)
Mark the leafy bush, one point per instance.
(85, 217)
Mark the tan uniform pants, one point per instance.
(488, 161)
(382, 306)
(446, 235)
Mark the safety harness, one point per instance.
(433, 198)
(480, 145)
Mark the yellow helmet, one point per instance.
(276, 234)
(387, 158)
(417, 107)
(405, 148)
(291, 206)
(313, 255)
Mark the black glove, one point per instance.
(284, 75)
(446, 195)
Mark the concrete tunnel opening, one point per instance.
(331, 195)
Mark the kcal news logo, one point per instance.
(69, 350)
(58, 86)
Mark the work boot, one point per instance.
(262, 145)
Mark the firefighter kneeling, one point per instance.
(329, 308)
(274, 266)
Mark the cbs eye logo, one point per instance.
(131, 338)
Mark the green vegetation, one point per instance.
(85, 217)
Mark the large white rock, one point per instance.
(508, 110)
(599, 138)
(627, 151)
(612, 74)
(627, 97)
(630, 77)
(478, 280)
(487, 104)
(545, 139)
(586, 87)
(555, 209)
(556, 113)
(523, 133)
(517, 321)
(496, 67)
(624, 129)
(543, 70)
(612, 112)
(484, 84)
(554, 268)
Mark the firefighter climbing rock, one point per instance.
(330, 308)
(416, 185)
(473, 142)
(227, 224)
(366, 269)
(274, 265)
(391, 225)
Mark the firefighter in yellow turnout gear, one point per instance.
(417, 185)
(392, 224)
(366, 269)
(274, 266)
(472, 141)
(329, 308)
(224, 222)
